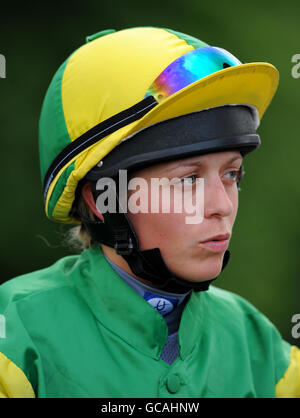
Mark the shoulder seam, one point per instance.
(19, 298)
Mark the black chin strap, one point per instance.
(117, 232)
(150, 265)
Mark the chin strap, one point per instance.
(150, 265)
(117, 232)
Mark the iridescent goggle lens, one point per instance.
(189, 68)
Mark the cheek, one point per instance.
(158, 229)
(168, 231)
(234, 197)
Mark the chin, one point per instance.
(200, 271)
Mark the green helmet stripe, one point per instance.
(190, 40)
(59, 187)
(52, 127)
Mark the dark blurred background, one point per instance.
(35, 40)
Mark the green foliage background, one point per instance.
(35, 40)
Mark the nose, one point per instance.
(217, 198)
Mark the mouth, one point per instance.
(218, 243)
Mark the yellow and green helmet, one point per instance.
(120, 83)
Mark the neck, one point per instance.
(119, 261)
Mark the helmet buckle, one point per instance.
(124, 247)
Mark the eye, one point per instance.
(189, 180)
(233, 175)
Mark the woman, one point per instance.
(135, 314)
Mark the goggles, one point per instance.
(189, 68)
(185, 70)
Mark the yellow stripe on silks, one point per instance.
(13, 382)
(289, 385)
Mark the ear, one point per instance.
(89, 200)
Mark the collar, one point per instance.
(119, 308)
(169, 305)
(146, 291)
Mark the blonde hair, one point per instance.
(78, 237)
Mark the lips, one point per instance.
(221, 237)
(217, 243)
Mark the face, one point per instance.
(184, 246)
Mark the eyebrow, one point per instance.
(199, 163)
